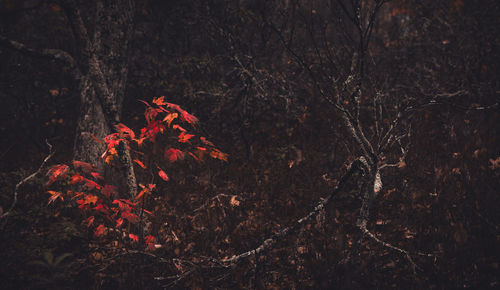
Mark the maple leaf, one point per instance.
(163, 175)
(174, 106)
(119, 222)
(159, 101)
(140, 140)
(145, 190)
(89, 221)
(84, 166)
(219, 155)
(99, 230)
(102, 208)
(56, 172)
(152, 129)
(90, 198)
(54, 195)
(132, 218)
(140, 163)
(178, 128)
(125, 131)
(91, 184)
(149, 239)
(184, 138)
(194, 156)
(133, 237)
(77, 178)
(206, 142)
(185, 116)
(169, 118)
(150, 114)
(96, 175)
(174, 154)
(122, 205)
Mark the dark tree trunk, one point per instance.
(104, 66)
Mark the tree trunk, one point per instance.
(103, 62)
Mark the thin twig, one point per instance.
(33, 175)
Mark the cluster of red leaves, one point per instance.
(102, 200)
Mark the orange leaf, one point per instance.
(159, 101)
(219, 155)
(119, 222)
(169, 118)
(77, 178)
(55, 195)
(140, 163)
(90, 198)
(184, 138)
(179, 128)
(174, 154)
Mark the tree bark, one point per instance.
(104, 66)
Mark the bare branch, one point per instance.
(355, 166)
(49, 53)
(26, 179)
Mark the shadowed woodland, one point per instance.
(361, 140)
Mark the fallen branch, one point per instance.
(406, 253)
(20, 183)
(288, 230)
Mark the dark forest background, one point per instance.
(258, 74)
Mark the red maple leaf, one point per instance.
(84, 166)
(122, 205)
(184, 138)
(179, 128)
(140, 163)
(77, 178)
(56, 172)
(130, 217)
(206, 142)
(125, 131)
(119, 222)
(54, 195)
(163, 175)
(174, 154)
(88, 222)
(133, 237)
(219, 155)
(185, 116)
(99, 230)
(96, 175)
(91, 184)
